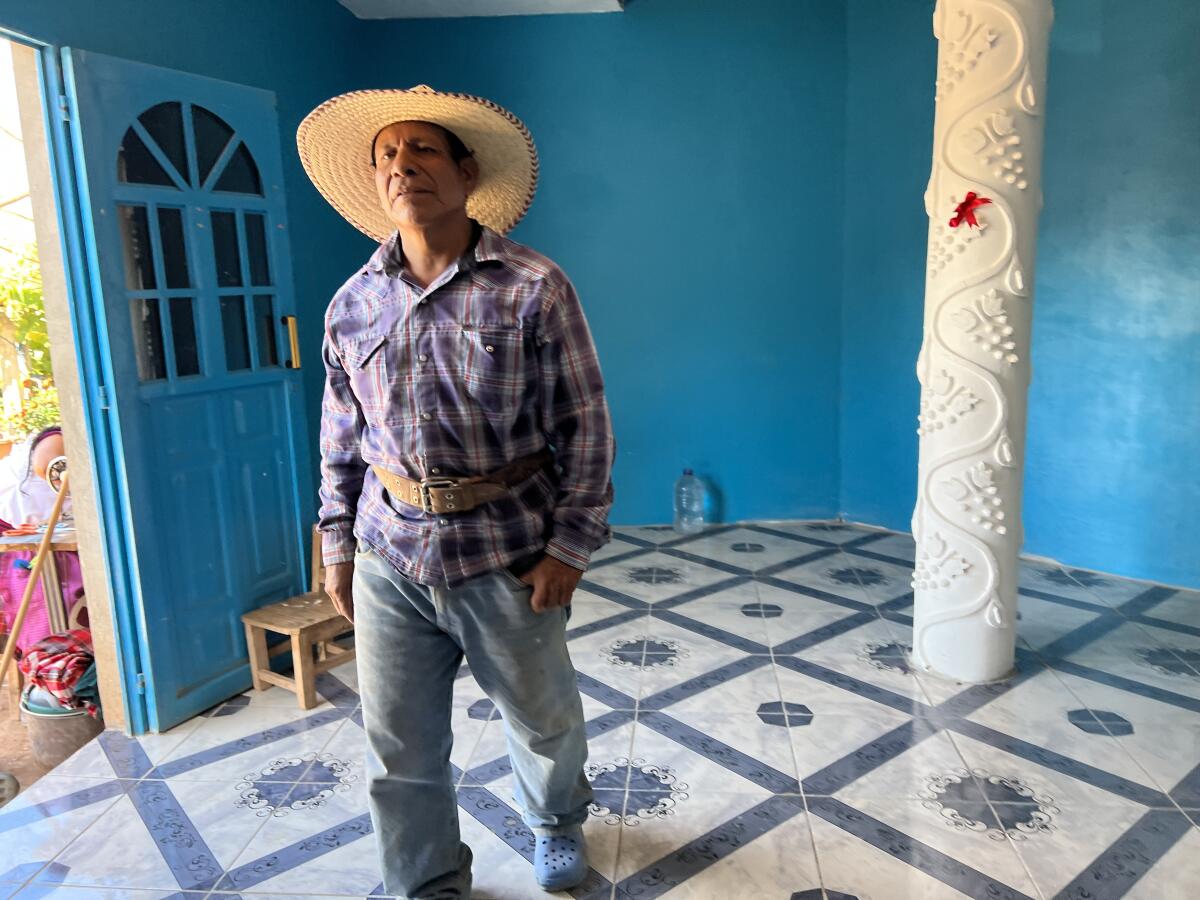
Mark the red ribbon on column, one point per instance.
(965, 211)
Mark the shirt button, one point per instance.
(435, 470)
(422, 357)
(426, 416)
(443, 521)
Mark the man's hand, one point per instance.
(553, 583)
(338, 580)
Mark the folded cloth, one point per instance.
(64, 665)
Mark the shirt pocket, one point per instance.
(366, 361)
(493, 368)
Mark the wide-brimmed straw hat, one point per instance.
(335, 147)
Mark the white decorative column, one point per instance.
(974, 361)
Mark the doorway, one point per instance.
(174, 317)
(39, 390)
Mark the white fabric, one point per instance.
(24, 497)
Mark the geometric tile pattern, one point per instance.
(755, 730)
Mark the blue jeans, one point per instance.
(410, 640)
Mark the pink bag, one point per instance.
(12, 589)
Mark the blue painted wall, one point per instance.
(890, 70)
(1113, 464)
(691, 188)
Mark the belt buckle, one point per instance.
(427, 483)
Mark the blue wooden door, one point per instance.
(180, 184)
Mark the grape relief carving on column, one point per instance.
(972, 473)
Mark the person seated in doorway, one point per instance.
(26, 498)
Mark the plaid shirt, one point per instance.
(488, 364)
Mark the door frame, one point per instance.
(91, 423)
(98, 493)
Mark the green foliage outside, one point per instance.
(24, 326)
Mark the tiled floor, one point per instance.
(756, 732)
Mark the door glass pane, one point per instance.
(135, 165)
(237, 344)
(264, 321)
(212, 134)
(183, 329)
(240, 175)
(225, 247)
(165, 124)
(170, 232)
(135, 237)
(256, 248)
(147, 340)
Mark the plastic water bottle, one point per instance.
(689, 503)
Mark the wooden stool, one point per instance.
(310, 620)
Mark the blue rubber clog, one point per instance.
(560, 861)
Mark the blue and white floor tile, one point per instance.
(1178, 870)
(48, 817)
(1077, 584)
(741, 688)
(896, 547)
(926, 793)
(652, 577)
(587, 608)
(871, 653)
(1057, 824)
(221, 750)
(868, 863)
(619, 546)
(827, 533)
(646, 535)
(831, 575)
(737, 609)
(674, 655)
(779, 862)
(663, 834)
(609, 661)
(1180, 608)
(1043, 622)
(755, 730)
(1152, 656)
(745, 548)
(880, 580)
(1162, 738)
(327, 840)
(1041, 711)
(715, 753)
(789, 615)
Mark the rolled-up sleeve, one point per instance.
(575, 419)
(342, 466)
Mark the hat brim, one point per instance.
(334, 142)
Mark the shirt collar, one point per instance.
(389, 256)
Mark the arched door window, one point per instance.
(191, 173)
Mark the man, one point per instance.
(455, 360)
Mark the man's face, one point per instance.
(417, 180)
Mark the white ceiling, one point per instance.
(436, 9)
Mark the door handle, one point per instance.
(294, 341)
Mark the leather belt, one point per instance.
(441, 495)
